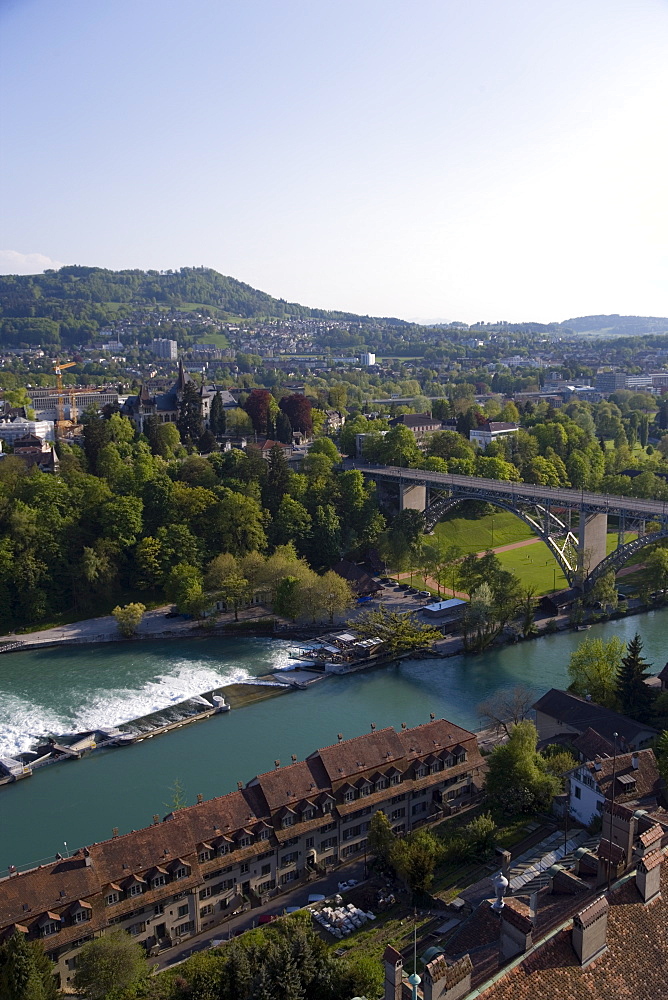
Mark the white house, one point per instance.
(636, 780)
(490, 431)
(18, 427)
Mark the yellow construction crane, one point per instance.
(61, 423)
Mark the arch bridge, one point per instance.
(580, 549)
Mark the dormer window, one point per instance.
(461, 757)
(135, 889)
(288, 820)
(308, 814)
(263, 834)
(111, 898)
(381, 783)
(50, 927)
(224, 848)
(80, 916)
(327, 806)
(449, 761)
(245, 841)
(436, 766)
(181, 872)
(420, 771)
(204, 856)
(158, 881)
(349, 796)
(395, 779)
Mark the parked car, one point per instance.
(425, 593)
(267, 918)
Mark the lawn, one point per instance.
(481, 533)
(219, 339)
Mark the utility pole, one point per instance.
(612, 805)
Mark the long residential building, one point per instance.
(191, 870)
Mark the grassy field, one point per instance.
(219, 339)
(478, 534)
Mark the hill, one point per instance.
(73, 303)
(615, 325)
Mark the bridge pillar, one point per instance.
(413, 497)
(592, 538)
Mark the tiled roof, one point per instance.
(591, 744)
(591, 913)
(650, 861)
(634, 966)
(518, 914)
(642, 782)
(650, 836)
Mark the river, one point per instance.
(81, 802)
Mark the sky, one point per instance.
(433, 159)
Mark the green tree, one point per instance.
(291, 523)
(183, 586)
(401, 632)
(380, 837)
(593, 669)
(25, 971)
(604, 591)
(129, 618)
(189, 422)
(217, 415)
(235, 591)
(517, 779)
(287, 598)
(109, 965)
(634, 696)
(336, 594)
(415, 859)
(657, 568)
(324, 548)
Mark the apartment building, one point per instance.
(193, 869)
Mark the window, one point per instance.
(419, 807)
(206, 910)
(204, 856)
(135, 929)
(578, 792)
(245, 841)
(265, 870)
(289, 859)
(310, 841)
(265, 854)
(179, 895)
(288, 820)
(420, 772)
(397, 813)
(308, 814)
(265, 886)
(349, 796)
(365, 790)
(461, 757)
(288, 877)
(50, 927)
(291, 842)
(398, 798)
(158, 909)
(135, 889)
(180, 872)
(263, 834)
(79, 916)
(329, 842)
(183, 928)
(327, 806)
(224, 849)
(158, 881)
(381, 783)
(206, 892)
(327, 828)
(111, 898)
(395, 779)
(182, 910)
(244, 868)
(436, 766)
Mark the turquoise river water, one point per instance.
(71, 688)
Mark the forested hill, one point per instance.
(74, 302)
(616, 325)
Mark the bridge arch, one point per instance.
(442, 505)
(621, 554)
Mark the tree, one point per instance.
(604, 591)
(399, 447)
(657, 568)
(380, 837)
(507, 707)
(325, 540)
(298, 410)
(25, 971)
(129, 618)
(283, 428)
(325, 446)
(183, 586)
(278, 479)
(287, 598)
(336, 594)
(235, 591)
(593, 669)
(291, 523)
(415, 858)
(401, 632)
(257, 407)
(517, 778)
(207, 442)
(189, 423)
(108, 965)
(634, 696)
(217, 415)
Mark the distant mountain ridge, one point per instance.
(615, 324)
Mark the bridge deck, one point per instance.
(549, 496)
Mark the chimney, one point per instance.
(393, 964)
(619, 826)
(339, 736)
(277, 763)
(156, 819)
(373, 726)
(240, 785)
(114, 832)
(445, 980)
(635, 763)
(87, 858)
(293, 758)
(516, 929)
(200, 798)
(648, 877)
(589, 931)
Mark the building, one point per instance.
(166, 405)
(163, 348)
(35, 451)
(561, 715)
(490, 431)
(608, 382)
(420, 424)
(633, 778)
(573, 938)
(368, 359)
(189, 872)
(13, 428)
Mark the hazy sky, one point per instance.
(454, 159)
